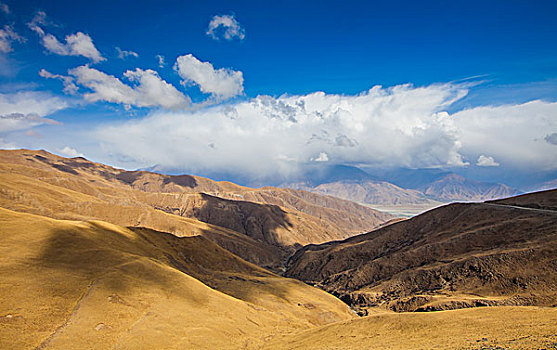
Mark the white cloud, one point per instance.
(20, 121)
(402, 126)
(221, 83)
(69, 85)
(78, 44)
(7, 37)
(24, 110)
(150, 90)
(226, 27)
(512, 134)
(265, 136)
(30, 102)
(123, 54)
(70, 152)
(323, 157)
(161, 61)
(38, 20)
(486, 161)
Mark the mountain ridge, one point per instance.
(458, 255)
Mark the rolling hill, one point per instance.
(456, 256)
(91, 284)
(263, 226)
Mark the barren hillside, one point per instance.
(263, 225)
(459, 255)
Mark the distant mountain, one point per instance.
(427, 189)
(459, 255)
(453, 187)
(371, 192)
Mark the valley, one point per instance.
(100, 257)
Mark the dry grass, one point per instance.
(81, 285)
(479, 328)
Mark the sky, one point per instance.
(263, 90)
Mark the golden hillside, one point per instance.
(478, 328)
(82, 285)
(263, 226)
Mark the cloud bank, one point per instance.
(402, 126)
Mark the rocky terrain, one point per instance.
(456, 256)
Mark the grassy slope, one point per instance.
(478, 328)
(97, 285)
(263, 231)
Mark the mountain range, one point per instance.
(401, 192)
(263, 226)
(92, 256)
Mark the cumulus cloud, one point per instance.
(486, 161)
(222, 83)
(69, 85)
(401, 126)
(123, 54)
(70, 152)
(78, 44)
(225, 27)
(38, 20)
(266, 136)
(513, 134)
(322, 157)
(7, 37)
(149, 89)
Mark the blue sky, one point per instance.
(458, 58)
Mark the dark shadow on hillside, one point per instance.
(215, 266)
(121, 262)
(259, 222)
(180, 180)
(95, 253)
(256, 224)
(130, 178)
(62, 167)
